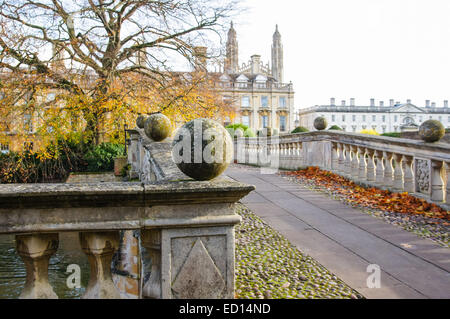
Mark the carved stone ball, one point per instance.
(239, 133)
(431, 131)
(202, 149)
(140, 122)
(158, 127)
(320, 123)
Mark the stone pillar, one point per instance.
(380, 168)
(35, 251)
(355, 163)
(398, 172)
(133, 155)
(388, 170)
(335, 157)
(151, 240)
(371, 165)
(409, 183)
(99, 248)
(447, 198)
(362, 175)
(437, 182)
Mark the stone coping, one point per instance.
(437, 151)
(18, 196)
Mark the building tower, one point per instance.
(277, 56)
(232, 59)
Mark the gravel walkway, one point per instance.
(434, 229)
(268, 266)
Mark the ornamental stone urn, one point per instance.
(202, 149)
(431, 131)
(140, 121)
(158, 127)
(320, 123)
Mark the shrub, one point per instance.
(101, 158)
(369, 132)
(335, 128)
(392, 134)
(249, 133)
(300, 129)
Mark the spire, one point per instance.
(232, 58)
(277, 56)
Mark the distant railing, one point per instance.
(186, 226)
(402, 165)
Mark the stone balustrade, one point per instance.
(401, 165)
(186, 226)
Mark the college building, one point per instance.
(257, 91)
(381, 117)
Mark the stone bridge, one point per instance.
(186, 227)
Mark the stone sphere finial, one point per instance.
(158, 127)
(320, 123)
(431, 131)
(239, 133)
(140, 121)
(202, 149)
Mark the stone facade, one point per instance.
(395, 117)
(256, 90)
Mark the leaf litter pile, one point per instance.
(411, 213)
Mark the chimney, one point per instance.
(391, 102)
(433, 104)
(427, 103)
(381, 103)
(256, 64)
(333, 101)
(408, 101)
(200, 57)
(446, 103)
(352, 102)
(372, 102)
(343, 102)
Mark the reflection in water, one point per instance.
(12, 269)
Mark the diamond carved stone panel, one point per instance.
(199, 278)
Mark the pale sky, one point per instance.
(382, 49)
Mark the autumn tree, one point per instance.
(105, 59)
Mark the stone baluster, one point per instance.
(151, 240)
(282, 155)
(99, 248)
(362, 174)
(398, 172)
(348, 161)
(388, 170)
(341, 169)
(447, 196)
(335, 157)
(380, 168)
(290, 156)
(437, 182)
(276, 156)
(408, 180)
(300, 159)
(355, 163)
(370, 165)
(35, 251)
